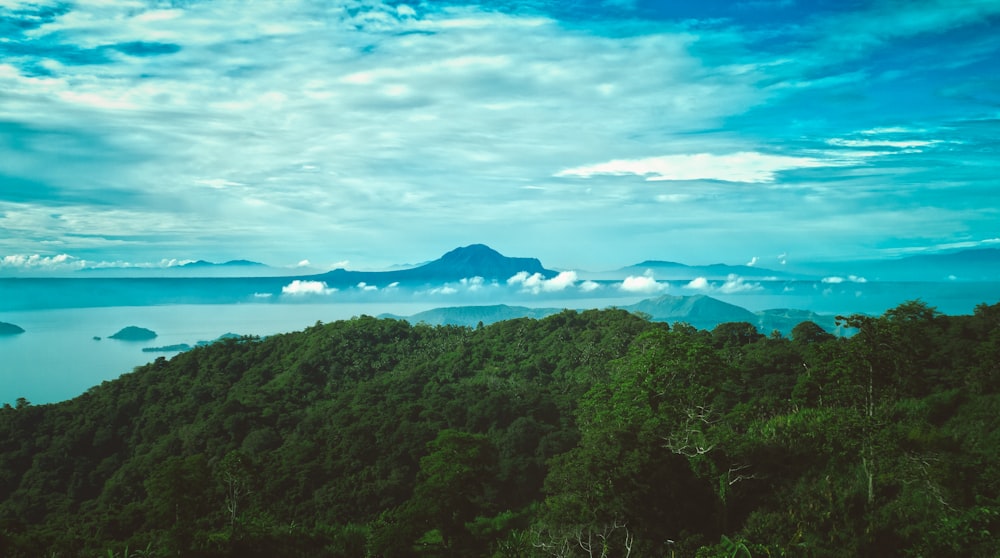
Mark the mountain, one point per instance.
(473, 315)
(666, 270)
(967, 265)
(476, 260)
(700, 311)
(703, 312)
(231, 263)
(980, 264)
(200, 268)
(785, 319)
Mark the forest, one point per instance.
(583, 434)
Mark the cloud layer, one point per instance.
(135, 131)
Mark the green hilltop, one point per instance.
(595, 431)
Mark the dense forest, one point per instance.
(596, 433)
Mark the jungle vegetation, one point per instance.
(595, 433)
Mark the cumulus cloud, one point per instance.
(473, 284)
(589, 286)
(299, 287)
(366, 287)
(744, 166)
(537, 283)
(645, 284)
(35, 261)
(732, 285)
(699, 284)
(752, 262)
(736, 284)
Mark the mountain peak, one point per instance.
(483, 261)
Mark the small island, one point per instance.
(133, 333)
(10, 329)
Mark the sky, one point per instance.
(589, 134)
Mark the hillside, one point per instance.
(374, 437)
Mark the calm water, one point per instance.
(57, 358)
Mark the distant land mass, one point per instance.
(978, 264)
(476, 260)
(473, 315)
(181, 347)
(700, 311)
(134, 333)
(168, 348)
(665, 270)
(10, 329)
(196, 269)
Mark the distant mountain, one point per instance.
(981, 264)
(700, 311)
(231, 263)
(967, 265)
(784, 320)
(10, 329)
(703, 312)
(200, 268)
(665, 270)
(473, 315)
(476, 260)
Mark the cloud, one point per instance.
(537, 283)
(834, 280)
(39, 262)
(698, 284)
(303, 288)
(752, 262)
(902, 144)
(366, 287)
(589, 286)
(473, 284)
(735, 284)
(645, 284)
(303, 263)
(732, 285)
(735, 167)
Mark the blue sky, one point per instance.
(589, 134)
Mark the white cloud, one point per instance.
(645, 283)
(732, 285)
(537, 283)
(37, 262)
(301, 288)
(736, 284)
(835, 280)
(303, 263)
(902, 144)
(752, 262)
(443, 290)
(473, 284)
(366, 287)
(744, 166)
(589, 286)
(699, 284)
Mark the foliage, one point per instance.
(592, 433)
